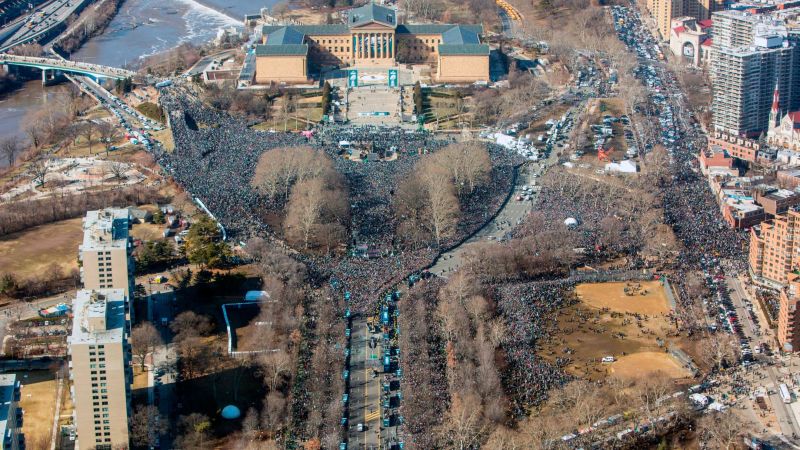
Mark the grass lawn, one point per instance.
(147, 231)
(30, 252)
(39, 389)
(98, 113)
(139, 377)
(209, 394)
(165, 137)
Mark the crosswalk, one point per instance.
(374, 415)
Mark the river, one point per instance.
(23, 103)
(141, 28)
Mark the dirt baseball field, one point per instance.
(629, 321)
(639, 297)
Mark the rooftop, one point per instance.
(282, 50)
(780, 194)
(284, 36)
(372, 12)
(105, 229)
(99, 316)
(459, 35)
(435, 28)
(743, 206)
(463, 49)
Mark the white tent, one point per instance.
(625, 166)
(570, 222)
(505, 140)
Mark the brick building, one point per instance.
(774, 249)
(738, 147)
(789, 316)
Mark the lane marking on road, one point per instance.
(366, 377)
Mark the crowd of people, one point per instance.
(214, 159)
(216, 153)
(379, 260)
(528, 310)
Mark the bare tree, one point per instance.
(10, 147)
(279, 169)
(468, 164)
(719, 349)
(722, 430)
(442, 204)
(464, 424)
(305, 208)
(146, 426)
(280, 10)
(108, 133)
(274, 412)
(145, 339)
(118, 169)
(250, 423)
(38, 170)
(195, 431)
(274, 364)
(89, 131)
(190, 324)
(35, 133)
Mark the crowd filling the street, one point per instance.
(571, 253)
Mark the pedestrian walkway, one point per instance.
(374, 105)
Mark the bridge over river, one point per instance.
(95, 71)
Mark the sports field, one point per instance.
(30, 252)
(38, 400)
(641, 364)
(638, 297)
(629, 321)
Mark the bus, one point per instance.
(785, 395)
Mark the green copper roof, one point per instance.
(435, 28)
(284, 36)
(372, 13)
(317, 30)
(463, 49)
(459, 35)
(282, 50)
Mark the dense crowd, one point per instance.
(216, 153)
(528, 310)
(690, 208)
(214, 159)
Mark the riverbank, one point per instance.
(143, 28)
(90, 23)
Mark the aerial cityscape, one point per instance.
(399, 224)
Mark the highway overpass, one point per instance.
(62, 65)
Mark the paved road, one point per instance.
(164, 359)
(52, 15)
(365, 387)
(786, 418)
(511, 214)
(739, 298)
(201, 65)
